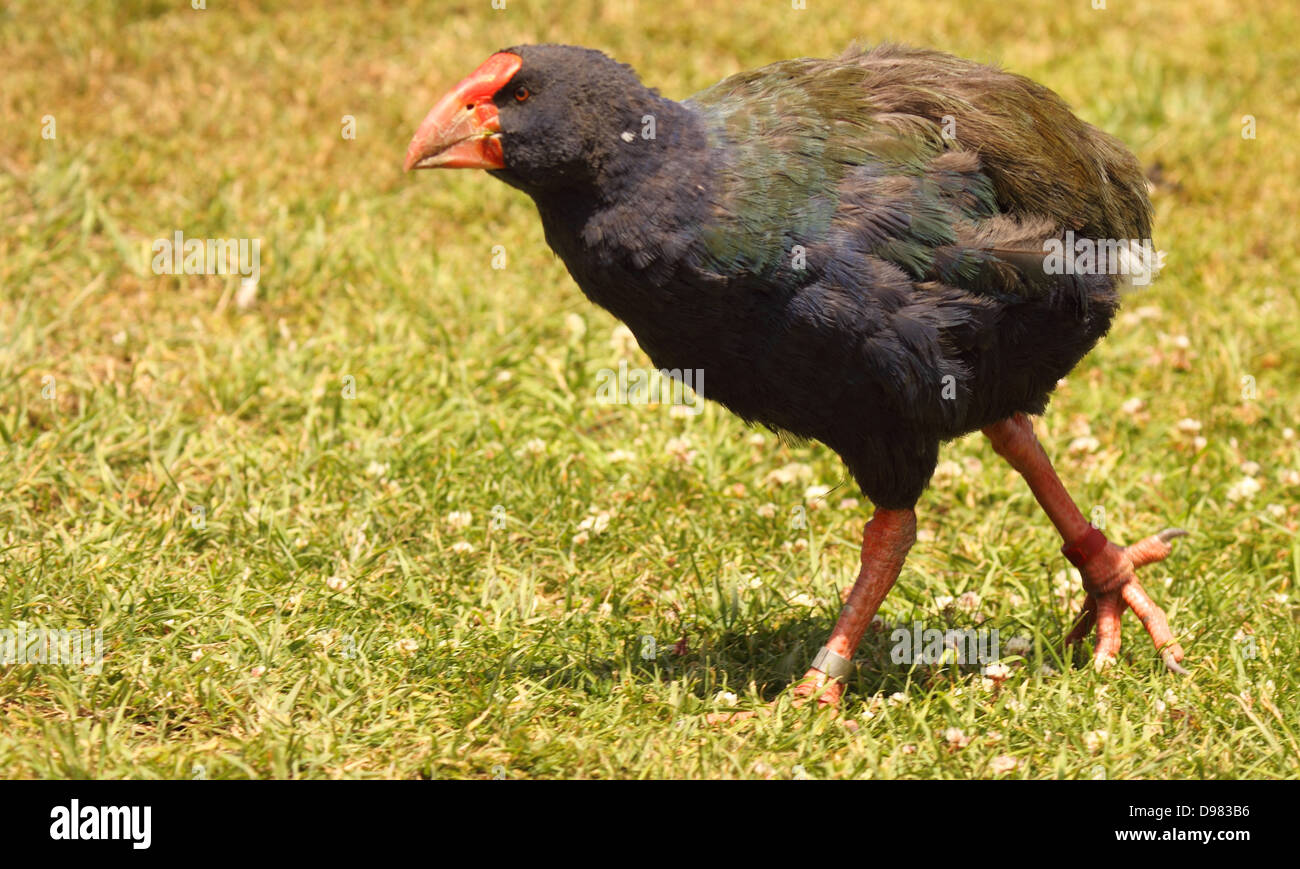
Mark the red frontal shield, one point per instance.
(461, 130)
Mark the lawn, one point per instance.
(369, 518)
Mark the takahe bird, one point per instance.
(854, 250)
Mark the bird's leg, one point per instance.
(1107, 569)
(885, 543)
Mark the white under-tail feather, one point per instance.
(1139, 263)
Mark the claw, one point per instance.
(1172, 663)
(1171, 534)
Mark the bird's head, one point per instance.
(540, 117)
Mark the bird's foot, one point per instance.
(814, 686)
(1111, 583)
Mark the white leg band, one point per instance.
(833, 665)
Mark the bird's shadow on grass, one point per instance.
(774, 658)
(761, 658)
(770, 658)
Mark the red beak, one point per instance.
(463, 130)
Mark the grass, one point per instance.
(272, 557)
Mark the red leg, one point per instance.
(1108, 570)
(885, 543)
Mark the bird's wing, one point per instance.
(952, 171)
(1043, 161)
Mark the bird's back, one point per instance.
(900, 107)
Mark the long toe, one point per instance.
(1108, 613)
(1157, 625)
(714, 718)
(814, 684)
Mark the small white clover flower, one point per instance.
(1093, 740)
(791, 473)
(595, 523)
(1003, 763)
(1087, 444)
(1244, 489)
(815, 496)
(948, 470)
(533, 447)
(997, 672)
(680, 449)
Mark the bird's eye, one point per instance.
(522, 93)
